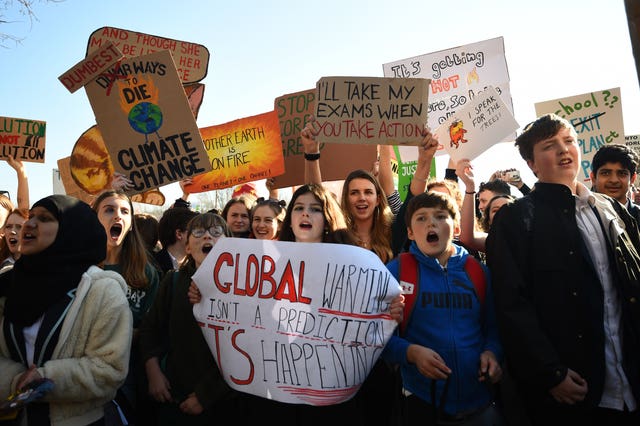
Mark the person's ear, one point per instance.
(532, 166)
(410, 234)
(632, 180)
(456, 229)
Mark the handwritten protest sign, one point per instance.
(597, 118)
(22, 139)
(300, 323)
(192, 60)
(457, 76)
(477, 126)
(240, 151)
(633, 142)
(337, 160)
(371, 110)
(89, 68)
(147, 124)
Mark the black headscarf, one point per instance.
(40, 280)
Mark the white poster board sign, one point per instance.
(300, 323)
(597, 118)
(457, 76)
(473, 129)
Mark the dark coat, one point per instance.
(549, 300)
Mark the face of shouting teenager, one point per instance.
(115, 215)
(12, 230)
(432, 229)
(39, 231)
(201, 241)
(307, 219)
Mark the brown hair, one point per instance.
(544, 127)
(432, 200)
(335, 226)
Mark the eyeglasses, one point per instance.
(214, 231)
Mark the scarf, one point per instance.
(38, 281)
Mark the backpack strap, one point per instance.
(474, 271)
(409, 281)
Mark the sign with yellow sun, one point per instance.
(242, 150)
(146, 122)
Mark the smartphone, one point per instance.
(512, 175)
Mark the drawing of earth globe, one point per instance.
(145, 118)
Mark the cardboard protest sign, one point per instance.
(300, 323)
(89, 68)
(337, 160)
(240, 151)
(22, 139)
(457, 75)
(192, 60)
(70, 186)
(482, 122)
(371, 110)
(146, 121)
(633, 142)
(597, 118)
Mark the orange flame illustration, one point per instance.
(473, 77)
(143, 90)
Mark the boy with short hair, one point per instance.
(613, 172)
(451, 336)
(565, 283)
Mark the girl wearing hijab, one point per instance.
(64, 318)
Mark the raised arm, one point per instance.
(23, 183)
(311, 146)
(385, 173)
(426, 151)
(468, 235)
(274, 193)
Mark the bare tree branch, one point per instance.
(22, 8)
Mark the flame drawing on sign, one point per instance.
(473, 77)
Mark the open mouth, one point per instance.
(432, 237)
(12, 241)
(206, 248)
(115, 231)
(565, 161)
(305, 225)
(28, 236)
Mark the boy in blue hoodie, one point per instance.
(450, 346)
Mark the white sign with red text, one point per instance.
(299, 323)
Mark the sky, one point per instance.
(260, 50)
